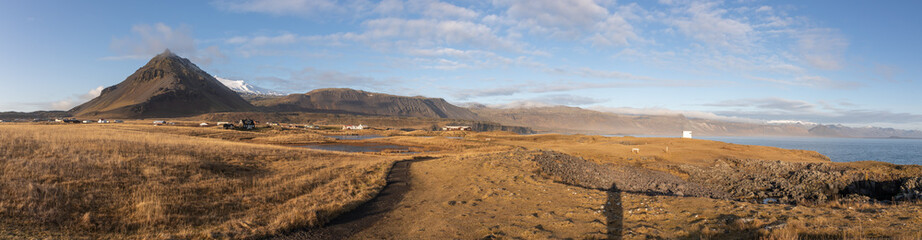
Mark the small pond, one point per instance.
(360, 147)
(355, 137)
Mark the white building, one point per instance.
(686, 134)
(354, 127)
(456, 128)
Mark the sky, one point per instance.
(833, 62)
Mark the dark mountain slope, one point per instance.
(343, 100)
(168, 86)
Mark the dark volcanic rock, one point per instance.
(577, 171)
(786, 182)
(743, 180)
(911, 189)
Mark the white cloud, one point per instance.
(592, 73)
(886, 72)
(559, 15)
(310, 78)
(71, 102)
(707, 23)
(546, 101)
(488, 92)
(584, 20)
(281, 7)
(669, 112)
(811, 81)
(567, 100)
(776, 104)
(147, 41)
(93, 93)
(388, 34)
(436, 9)
(781, 110)
(520, 104)
(431, 32)
(614, 31)
(389, 7)
(822, 48)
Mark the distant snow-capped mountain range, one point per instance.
(242, 87)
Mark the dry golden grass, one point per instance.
(139, 181)
(674, 150)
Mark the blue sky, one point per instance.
(848, 62)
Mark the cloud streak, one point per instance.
(148, 40)
(819, 112)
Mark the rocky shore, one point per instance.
(743, 180)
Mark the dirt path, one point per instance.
(495, 195)
(364, 216)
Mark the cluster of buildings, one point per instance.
(74, 120)
(457, 128)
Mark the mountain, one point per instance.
(863, 132)
(343, 100)
(244, 88)
(577, 120)
(167, 86)
(24, 116)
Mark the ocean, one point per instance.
(897, 151)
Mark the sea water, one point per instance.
(897, 151)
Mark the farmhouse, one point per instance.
(457, 128)
(355, 127)
(248, 124)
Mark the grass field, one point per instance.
(139, 181)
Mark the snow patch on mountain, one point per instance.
(792, 122)
(242, 87)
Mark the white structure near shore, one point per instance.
(686, 134)
(355, 127)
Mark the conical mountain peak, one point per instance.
(167, 52)
(167, 86)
